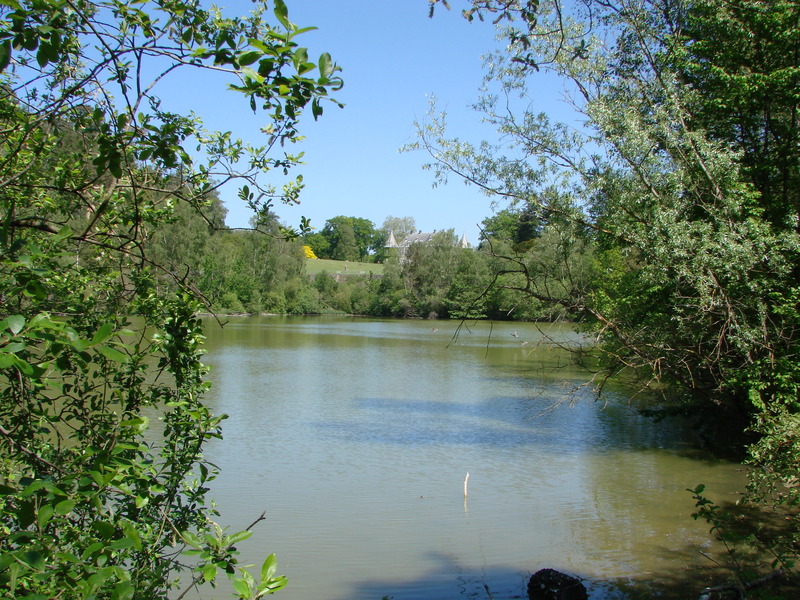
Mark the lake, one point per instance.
(356, 435)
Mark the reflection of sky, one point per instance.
(359, 446)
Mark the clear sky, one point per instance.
(393, 59)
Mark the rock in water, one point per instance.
(549, 584)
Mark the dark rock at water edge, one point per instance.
(549, 584)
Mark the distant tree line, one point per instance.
(261, 270)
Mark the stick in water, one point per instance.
(465, 485)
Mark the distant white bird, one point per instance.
(515, 334)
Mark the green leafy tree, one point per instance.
(350, 237)
(392, 299)
(429, 271)
(180, 240)
(518, 226)
(319, 244)
(93, 504)
(344, 244)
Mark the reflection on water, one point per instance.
(356, 435)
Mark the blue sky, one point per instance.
(393, 59)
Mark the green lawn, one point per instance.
(315, 266)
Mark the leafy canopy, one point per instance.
(95, 500)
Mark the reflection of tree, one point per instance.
(639, 513)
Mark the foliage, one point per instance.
(318, 243)
(343, 243)
(438, 279)
(309, 252)
(349, 238)
(520, 226)
(94, 342)
(241, 267)
(759, 566)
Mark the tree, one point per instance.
(684, 176)
(92, 164)
(344, 243)
(180, 241)
(750, 95)
(351, 237)
(319, 244)
(519, 226)
(429, 271)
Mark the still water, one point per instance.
(356, 437)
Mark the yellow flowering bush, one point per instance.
(309, 252)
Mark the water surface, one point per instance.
(356, 435)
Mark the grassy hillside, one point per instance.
(343, 267)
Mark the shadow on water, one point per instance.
(513, 422)
(500, 583)
(484, 583)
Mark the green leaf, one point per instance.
(191, 539)
(44, 515)
(14, 570)
(248, 58)
(325, 65)
(11, 360)
(101, 576)
(260, 45)
(209, 572)
(300, 58)
(132, 534)
(15, 323)
(98, 478)
(123, 590)
(238, 537)
(269, 567)
(103, 333)
(252, 74)
(122, 544)
(112, 354)
(115, 166)
(42, 56)
(32, 559)
(41, 484)
(5, 53)
(64, 507)
(104, 528)
(282, 13)
(242, 587)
